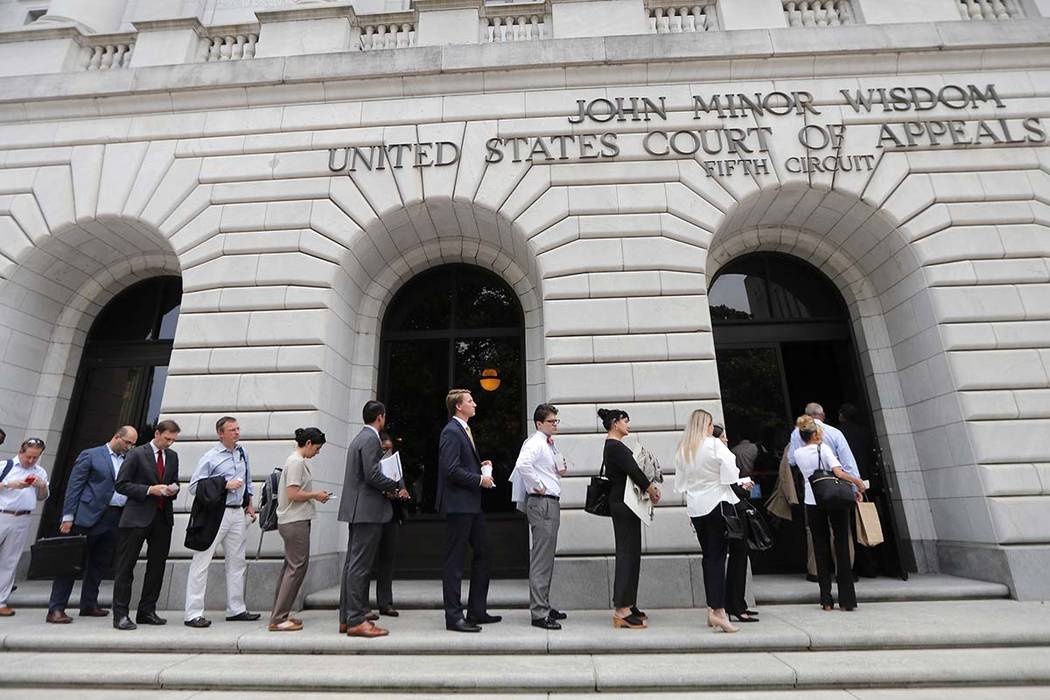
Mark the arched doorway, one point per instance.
(121, 377)
(454, 326)
(783, 339)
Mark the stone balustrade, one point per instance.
(108, 52)
(232, 43)
(818, 13)
(990, 9)
(391, 30)
(668, 17)
(525, 21)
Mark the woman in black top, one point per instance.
(627, 528)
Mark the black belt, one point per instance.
(116, 508)
(235, 506)
(15, 512)
(545, 495)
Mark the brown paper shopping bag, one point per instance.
(869, 528)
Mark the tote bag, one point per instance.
(597, 502)
(869, 527)
(829, 491)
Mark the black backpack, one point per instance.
(268, 502)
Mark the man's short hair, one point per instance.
(32, 442)
(220, 424)
(814, 410)
(543, 412)
(372, 411)
(124, 430)
(848, 412)
(454, 399)
(168, 426)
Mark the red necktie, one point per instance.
(160, 476)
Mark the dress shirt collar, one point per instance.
(461, 422)
(373, 429)
(153, 446)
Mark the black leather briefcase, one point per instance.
(57, 557)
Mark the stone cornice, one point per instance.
(309, 12)
(1021, 45)
(67, 31)
(437, 5)
(162, 25)
(516, 9)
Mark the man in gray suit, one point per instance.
(365, 506)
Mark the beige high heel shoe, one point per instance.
(721, 622)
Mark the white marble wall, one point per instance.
(941, 256)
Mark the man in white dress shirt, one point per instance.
(228, 460)
(833, 438)
(537, 483)
(22, 483)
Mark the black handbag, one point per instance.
(598, 490)
(736, 529)
(759, 538)
(829, 491)
(57, 557)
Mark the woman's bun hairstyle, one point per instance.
(610, 416)
(807, 427)
(312, 435)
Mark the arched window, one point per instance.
(770, 287)
(121, 378)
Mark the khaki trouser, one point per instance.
(14, 530)
(296, 538)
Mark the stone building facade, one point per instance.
(295, 165)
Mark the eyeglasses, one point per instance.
(552, 421)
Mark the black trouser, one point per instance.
(736, 576)
(627, 531)
(157, 537)
(384, 568)
(823, 523)
(101, 544)
(711, 532)
(462, 529)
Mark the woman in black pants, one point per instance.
(627, 528)
(814, 455)
(736, 566)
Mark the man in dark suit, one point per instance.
(365, 506)
(149, 478)
(92, 507)
(461, 476)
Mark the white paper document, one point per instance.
(638, 501)
(391, 467)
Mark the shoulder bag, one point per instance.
(598, 490)
(829, 491)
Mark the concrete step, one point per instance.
(577, 673)
(792, 628)
(1040, 692)
(770, 589)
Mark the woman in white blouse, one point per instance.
(814, 455)
(705, 471)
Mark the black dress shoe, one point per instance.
(461, 626)
(546, 623)
(557, 615)
(94, 612)
(244, 617)
(124, 623)
(150, 618)
(484, 619)
(198, 623)
(388, 612)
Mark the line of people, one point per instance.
(121, 497)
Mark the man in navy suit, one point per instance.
(92, 507)
(460, 479)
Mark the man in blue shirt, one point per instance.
(229, 461)
(834, 439)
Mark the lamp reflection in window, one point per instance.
(490, 379)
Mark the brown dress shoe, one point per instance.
(342, 628)
(94, 612)
(366, 629)
(6, 611)
(58, 617)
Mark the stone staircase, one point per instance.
(952, 638)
